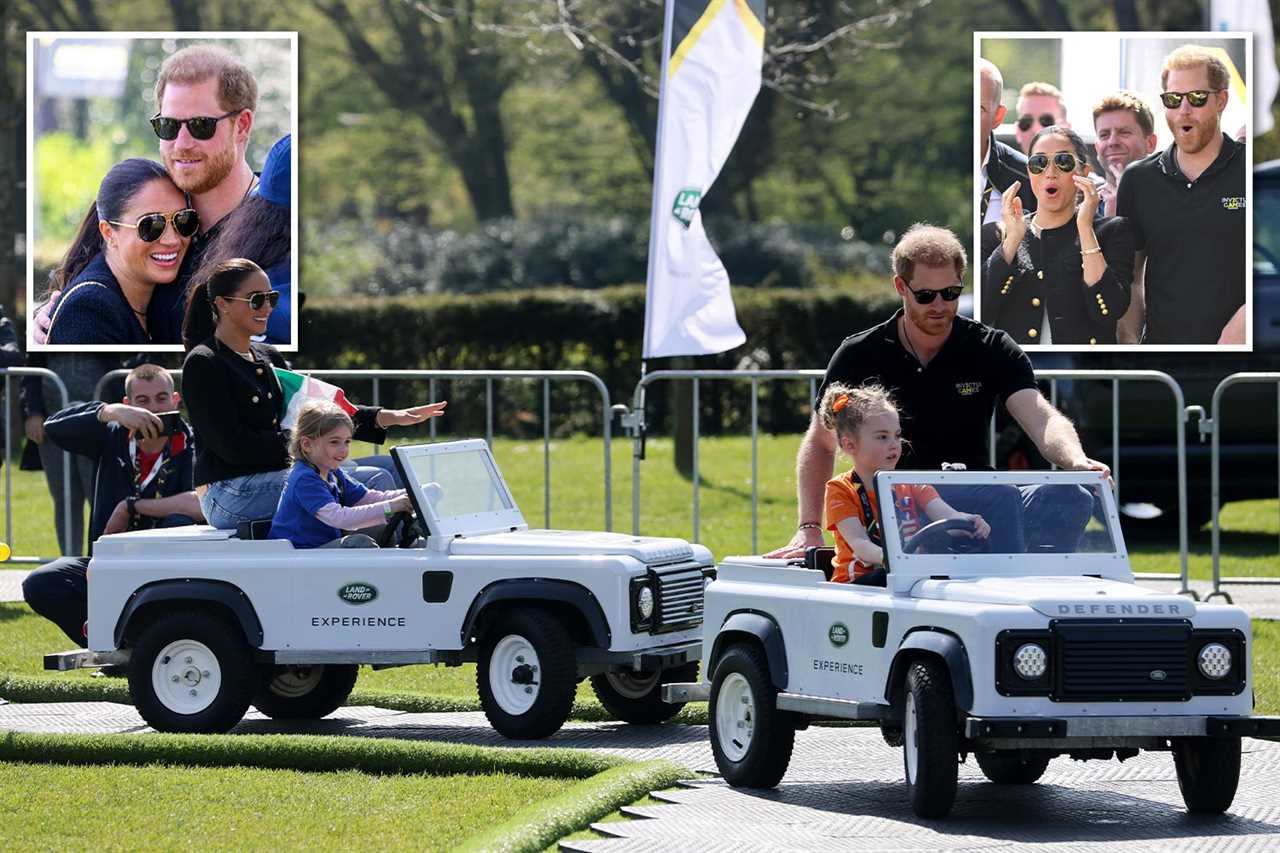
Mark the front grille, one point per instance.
(678, 598)
(1121, 661)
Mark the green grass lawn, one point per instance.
(46, 807)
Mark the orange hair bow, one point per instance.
(840, 402)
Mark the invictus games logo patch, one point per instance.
(686, 205)
(968, 389)
(838, 634)
(358, 593)
(1233, 202)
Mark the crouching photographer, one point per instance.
(141, 449)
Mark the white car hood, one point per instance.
(1062, 597)
(529, 543)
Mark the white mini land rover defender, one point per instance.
(1013, 658)
(208, 623)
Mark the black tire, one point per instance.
(636, 698)
(548, 681)
(751, 739)
(931, 741)
(304, 692)
(1208, 772)
(1012, 768)
(192, 650)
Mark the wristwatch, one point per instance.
(131, 504)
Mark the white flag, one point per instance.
(712, 53)
(1253, 16)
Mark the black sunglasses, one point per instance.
(925, 296)
(150, 226)
(1198, 98)
(200, 127)
(1063, 161)
(258, 298)
(1046, 120)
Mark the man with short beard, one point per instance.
(947, 373)
(1125, 133)
(1187, 207)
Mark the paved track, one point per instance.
(843, 791)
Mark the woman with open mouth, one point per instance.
(131, 241)
(1056, 276)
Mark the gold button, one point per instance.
(275, 421)
(1032, 333)
(1105, 312)
(1009, 280)
(255, 398)
(1035, 301)
(1098, 296)
(268, 395)
(1093, 340)
(1039, 273)
(1003, 291)
(259, 371)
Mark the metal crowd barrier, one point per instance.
(1214, 427)
(43, 373)
(634, 421)
(432, 376)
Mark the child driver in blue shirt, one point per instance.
(320, 500)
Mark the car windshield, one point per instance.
(459, 484)
(998, 513)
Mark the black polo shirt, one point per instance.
(946, 407)
(1193, 234)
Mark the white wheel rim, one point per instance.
(735, 716)
(296, 681)
(909, 739)
(515, 674)
(633, 685)
(186, 677)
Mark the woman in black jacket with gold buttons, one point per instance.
(235, 400)
(1056, 276)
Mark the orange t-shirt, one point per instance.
(842, 502)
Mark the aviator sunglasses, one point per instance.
(925, 296)
(200, 127)
(1197, 98)
(150, 226)
(1065, 162)
(258, 298)
(1025, 122)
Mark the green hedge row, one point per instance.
(599, 331)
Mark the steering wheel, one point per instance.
(938, 534)
(401, 529)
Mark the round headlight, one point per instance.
(1030, 661)
(644, 602)
(1214, 661)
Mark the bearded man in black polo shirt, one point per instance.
(947, 373)
(1187, 208)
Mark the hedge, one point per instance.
(598, 330)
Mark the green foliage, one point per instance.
(239, 809)
(541, 824)
(68, 171)
(395, 257)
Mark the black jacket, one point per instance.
(1008, 165)
(77, 429)
(1015, 296)
(236, 407)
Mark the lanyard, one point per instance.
(873, 525)
(140, 484)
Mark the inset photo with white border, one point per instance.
(1113, 176)
(151, 158)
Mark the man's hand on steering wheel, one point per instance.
(981, 530)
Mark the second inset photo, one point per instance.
(1113, 174)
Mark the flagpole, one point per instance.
(655, 221)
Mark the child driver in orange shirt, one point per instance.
(865, 420)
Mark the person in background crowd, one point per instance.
(1002, 165)
(1125, 132)
(142, 479)
(1039, 106)
(1187, 208)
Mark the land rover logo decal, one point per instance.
(838, 634)
(1158, 675)
(358, 592)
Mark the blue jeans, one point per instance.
(1031, 518)
(246, 498)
